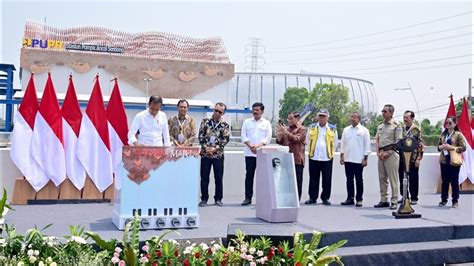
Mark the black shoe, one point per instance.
(393, 206)
(348, 202)
(326, 202)
(246, 202)
(310, 202)
(442, 203)
(219, 203)
(203, 203)
(382, 204)
(359, 203)
(414, 202)
(400, 201)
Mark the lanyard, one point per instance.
(181, 124)
(448, 137)
(214, 126)
(409, 130)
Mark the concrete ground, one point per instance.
(214, 220)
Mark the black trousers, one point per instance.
(250, 166)
(413, 180)
(218, 166)
(299, 178)
(449, 175)
(316, 168)
(354, 170)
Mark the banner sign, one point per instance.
(59, 45)
(94, 48)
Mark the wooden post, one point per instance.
(467, 185)
(109, 193)
(69, 191)
(48, 192)
(90, 191)
(22, 192)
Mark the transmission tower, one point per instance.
(254, 63)
(254, 58)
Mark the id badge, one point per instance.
(212, 140)
(180, 138)
(445, 152)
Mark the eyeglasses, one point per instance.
(384, 111)
(218, 111)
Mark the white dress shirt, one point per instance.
(153, 130)
(355, 143)
(256, 132)
(320, 149)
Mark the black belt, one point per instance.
(390, 147)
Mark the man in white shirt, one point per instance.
(150, 127)
(355, 150)
(322, 142)
(256, 132)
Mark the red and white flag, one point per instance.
(47, 142)
(93, 145)
(464, 126)
(24, 123)
(118, 127)
(72, 117)
(451, 110)
(472, 128)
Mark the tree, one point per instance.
(293, 100)
(334, 98)
(372, 122)
(458, 106)
(431, 133)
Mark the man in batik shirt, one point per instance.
(182, 126)
(411, 131)
(214, 134)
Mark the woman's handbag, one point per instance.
(456, 159)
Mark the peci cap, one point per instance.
(323, 111)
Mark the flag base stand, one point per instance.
(406, 215)
(65, 201)
(405, 211)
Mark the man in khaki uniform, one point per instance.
(389, 132)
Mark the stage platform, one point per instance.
(374, 235)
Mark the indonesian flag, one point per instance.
(24, 123)
(47, 143)
(464, 126)
(72, 117)
(472, 129)
(451, 110)
(93, 145)
(118, 127)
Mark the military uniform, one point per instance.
(388, 134)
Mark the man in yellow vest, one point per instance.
(322, 142)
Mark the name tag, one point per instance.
(180, 138)
(445, 152)
(212, 140)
